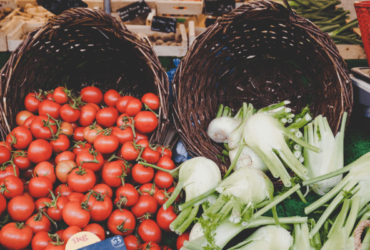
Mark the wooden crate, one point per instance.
(117, 4)
(194, 32)
(350, 51)
(7, 29)
(179, 8)
(22, 3)
(15, 37)
(178, 51)
(95, 4)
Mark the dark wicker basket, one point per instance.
(261, 53)
(81, 47)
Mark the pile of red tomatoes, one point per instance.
(73, 161)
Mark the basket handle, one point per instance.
(358, 233)
(287, 5)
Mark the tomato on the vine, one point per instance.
(148, 189)
(49, 107)
(39, 150)
(164, 151)
(66, 128)
(130, 151)
(20, 208)
(69, 232)
(60, 144)
(41, 204)
(21, 160)
(146, 205)
(22, 117)
(69, 113)
(91, 132)
(40, 186)
(2, 205)
(163, 179)
(166, 163)
(11, 186)
(63, 190)
(79, 146)
(106, 143)
(142, 174)
(133, 107)
(65, 156)
(123, 135)
(165, 218)
(91, 94)
(32, 101)
(4, 154)
(132, 242)
(149, 231)
(20, 137)
(111, 97)
(74, 215)
(180, 240)
(95, 229)
(45, 168)
(43, 127)
(90, 159)
(124, 120)
(150, 246)
(87, 115)
(81, 180)
(8, 170)
(150, 155)
(114, 173)
(161, 196)
(151, 100)
(104, 189)
(63, 169)
(121, 222)
(38, 223)
(126, 195)
(99, 205)
(107, 117)
(15, 236)
(78, 134)
(139, 137)
(40, 241)
(75, 196)
(60, 95)
(122, 103)
(146, 122)
(28, 121)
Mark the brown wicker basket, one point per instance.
(358, 232)
(81, 47)
(261, 53)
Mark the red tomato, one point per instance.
(126, 195)
(8, 170)
(78, 134)
(143, 143)
(11, 187)
(49, 107)
(166, 163)
(59, 233)
(20, 208)
(60, 144)
(74, 215)
(4, 154)
(94, 105)
(38, 223)
(21, 160)
(122, 103)
(69, 113)
(81, 180)
(15, 236)
(151, 100)
(40, 241)
(90, 159)
(161, 196)
(74, 125)
(63, 169)
(49, 96)
(65, 156)
(43, 128)
(133, 107)
(96, 229)
(22, 117)
(28, 196)
(60, 95)
(76, 197)
(164, 151)
(69, 232)
(99, 206)
(149, 231)
(114, 173)
(111, 97)
(166, 248)
(165, 218)
(40, 186)
(66, 128)
(132, 242)
(40, 204)
(163, 179)
(139, 137)
(87, 116)
(91, 132)
(107, 117)
(104, 189)
(148, 189)
(145, 122)
(124, 120)
(56, 207)
(79, 146)
(170, 192)
(7, 145)
(2, 205)
(27, 123)
(146, 205)
(91, 94)
(121, 222)
(181, 239)
(150, 156)
(150, 246)
(63, 190)
(123, 135)
(106, 143)
(142, 174)
(32, 101)
(20, 138)
(56, 246)
(45, 168)
(130, 151)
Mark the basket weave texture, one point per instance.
(82, 47)
(261, 53)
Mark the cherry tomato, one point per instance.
(111, 97)
(91, 94)
(38, 223)
(146, 205)
(90, 159)
(74, 215)
(21, 160)
(63, 169)
(96, 229)
(40, 186)
(133, 107)
(126, 195)
(28, 121)
(165, 218)
(28, 196)
(8, 170)
(106, 143)
(164, 151)
(122, 103)
(7, 145)
(56, 246)
(32, 101)
(121, 222)
(103, 189)
(150, 155)
(100, 206)
(45, 168)
(166, 163)
(59, 233)
(60, 95)
(43, 128)
(161, 196)
(4, 154)
(66, 129)
(49, 96)
(81, 180)
(142, 174)
(94, 105)
(180, 240)
(132, 242)
(166, 248)
(40, 204)
(151, 100)
(78, 134)
(150, 246)
(49, 107)
(130, 151)
(114, 173)
(79, 146)
(69, 113)
(124, 120)
(143, 143)
(40, 241)
(74, 125)
(56, 207)
(20, 138)
(65, 156)
(69, 232)
(63, 190)
(107, 117)
(20, 208)
(163, 179)
(87, 116)
(76, 197)
(139, 137)
(91, 132)
(149, 231)
(123, 135)
(11, 187)
(148, 189)
(145, 122)
(22, 117)
(15, 236)
(60, 144)
(2, 205)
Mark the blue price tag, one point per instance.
(115, 243)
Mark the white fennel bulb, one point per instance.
(247, 158)
(220, 128)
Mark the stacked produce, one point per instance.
(71, 166)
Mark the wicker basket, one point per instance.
(81, 47)
(358, 233)
(261, 53)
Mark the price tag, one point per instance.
(58, 6)
(218, 7)
(81, 240)
(133, 11)
(114, 243)
(164, 24)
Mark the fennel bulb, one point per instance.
(301, 237)
(320, 135)
(247, 158)
(220, 128)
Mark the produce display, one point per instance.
(170, 40)
(71, 165)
